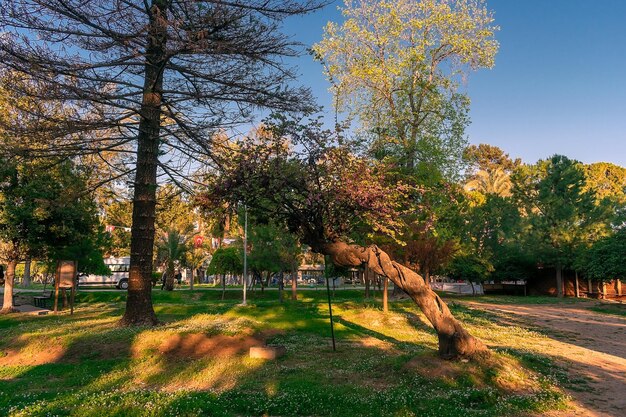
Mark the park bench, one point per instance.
(41, 300)
(20, 298)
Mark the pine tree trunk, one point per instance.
(9, 280)
(139, 310)
(26, 280)
(454, 340)
(193, 277)
(294, 286)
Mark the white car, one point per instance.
(119, 275)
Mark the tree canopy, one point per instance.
(396, 67)
(149, 79)
(307, 179)
(226, 261)
(604, 260)
(47, 213)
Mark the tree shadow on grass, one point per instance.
(359, 330)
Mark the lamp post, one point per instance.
(245, 255)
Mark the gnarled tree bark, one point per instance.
(454, 340)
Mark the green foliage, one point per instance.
(492, 222)
(470, 267)
(561, 213)
(172, 247)
(489, 170)
(197, 257)
(604, 260)
(396, 67)
(273, 248)
(174, 212)
(228, 260)
(320, 194)
(118, 213)
(511, 261)
(489, 158)
(47, 213)
(88, 252)
(496, 182)
(606, 180)
(331, 270)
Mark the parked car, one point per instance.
(119, 267)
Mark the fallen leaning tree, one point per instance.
(454, 340)
(324, 196)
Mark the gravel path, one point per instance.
(588, 344)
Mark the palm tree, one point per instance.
(172, 248)
(196, 258)
(495, 182)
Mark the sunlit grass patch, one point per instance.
(196, 361)
(614, 309)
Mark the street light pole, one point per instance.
(245, 255)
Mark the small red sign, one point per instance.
(198, 240)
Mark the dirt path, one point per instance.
(588, 344)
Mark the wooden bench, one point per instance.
(41, 300)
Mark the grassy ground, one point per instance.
(512, 299)
(196, 362)
(614, 309)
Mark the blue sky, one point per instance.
(558, 85)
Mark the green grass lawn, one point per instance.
(515, 299)
(196, 362)
(614, 309)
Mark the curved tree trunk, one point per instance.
(454, 340)
(7, 306)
